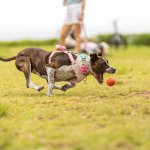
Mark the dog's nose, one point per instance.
(113, 70)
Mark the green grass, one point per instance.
(87, 117)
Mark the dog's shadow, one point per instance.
(31, 93)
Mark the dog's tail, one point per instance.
(8, 59)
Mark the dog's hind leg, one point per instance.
(64, 87)
(50, 74)
(57, 87)
(25, 67)
(33, 86)
(68, 86)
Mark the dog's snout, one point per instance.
(113, 70)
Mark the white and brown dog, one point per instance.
(59, 68)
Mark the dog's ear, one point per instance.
(94, 57)
(101, 48)
(100, 54)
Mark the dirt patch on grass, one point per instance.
(64, 145)
(124, 145)
(145, 94)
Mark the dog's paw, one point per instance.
(40, 88)
(65, 87)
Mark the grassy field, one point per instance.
(87, 117)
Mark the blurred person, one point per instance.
(74, 19)
(116, 38)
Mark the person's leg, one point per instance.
(77, 30)
(64, 33)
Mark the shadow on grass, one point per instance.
(3, 110)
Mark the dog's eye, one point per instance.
(104, 63)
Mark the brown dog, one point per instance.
(36, 60)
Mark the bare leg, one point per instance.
(64, 33)
(77, 30)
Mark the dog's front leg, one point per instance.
(50, 74)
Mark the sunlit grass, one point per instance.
(87, 117)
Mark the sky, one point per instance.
(42, 19)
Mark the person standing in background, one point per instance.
(74, 19)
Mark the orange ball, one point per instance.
(110, 81)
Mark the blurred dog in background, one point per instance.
(87, 46)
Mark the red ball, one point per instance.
(110, 81)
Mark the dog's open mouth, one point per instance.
(100, 78)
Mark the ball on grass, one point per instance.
(110, 81)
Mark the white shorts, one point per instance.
(72, 14)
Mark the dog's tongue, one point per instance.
(100, 78)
